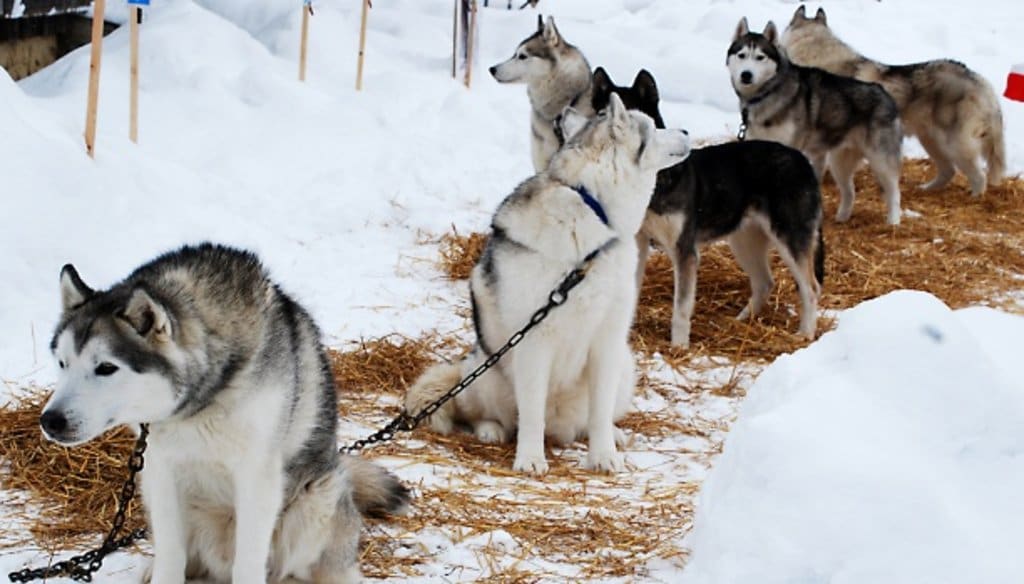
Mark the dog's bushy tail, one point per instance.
(375, 491)
(819, 258)
(993, 146)
(428, 388)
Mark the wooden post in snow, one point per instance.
(94, 77)
(470, 41)
(307, 11)
(134, 15)
(362, 46)
(455, 39)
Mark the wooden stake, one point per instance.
(307, 9)
(94, 77)
(470, 34)
(455, 39)
(133, 121)
(362, 46)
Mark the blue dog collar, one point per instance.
(591, 202)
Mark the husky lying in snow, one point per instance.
(574, 374)
(754, 194)
(556, 76)
(952, 110)
(820, 114)
(229, 373)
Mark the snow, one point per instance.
(890, 450)
(342, 193)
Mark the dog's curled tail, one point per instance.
(428, 388)
(993, 146)
(375, 491)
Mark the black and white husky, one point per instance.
(574, 374)
(243, 480)
(755, 194)
(829, 118)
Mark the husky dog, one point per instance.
(752, 193)
(820, 114)
(556, 76)
(230, 375)
(952, 110)
(573, 375)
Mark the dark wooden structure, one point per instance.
(35, 33)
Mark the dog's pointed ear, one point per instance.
(646, 87)
(571, 122)
(617, 111)
(73, 291)
(601, 82)
(551, 35)
(540, 23)
(820, 16)
(741, 29)
(771, 34)
(147, 316)
(799, 14)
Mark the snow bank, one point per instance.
(890, 450)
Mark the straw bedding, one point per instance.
(963, 250)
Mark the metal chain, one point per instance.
(93, 560)
(404, 422)
(81, 568)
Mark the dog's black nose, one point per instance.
(53, 423)
(493, 70)
(685, 133)
(746, 77)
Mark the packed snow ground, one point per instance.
(341, 193)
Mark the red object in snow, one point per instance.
(1015, 83)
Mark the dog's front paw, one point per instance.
(490, 432)
(606, 462)
(535, 465)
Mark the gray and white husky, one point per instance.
(556, 75)
(573, 375)
(952, 110)
(829, 118)
(230, 375)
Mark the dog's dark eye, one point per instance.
(105, 369)
(522, 57)
(742, 55)
(759, 58)
(61, 363)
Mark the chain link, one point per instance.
(403, 422)
(81, 568)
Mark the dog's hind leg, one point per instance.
(966, 153)
(885, 165)
(750, 245)
(843, 164)
(801, 265)
(944, 169)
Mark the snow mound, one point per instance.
(888, 451)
